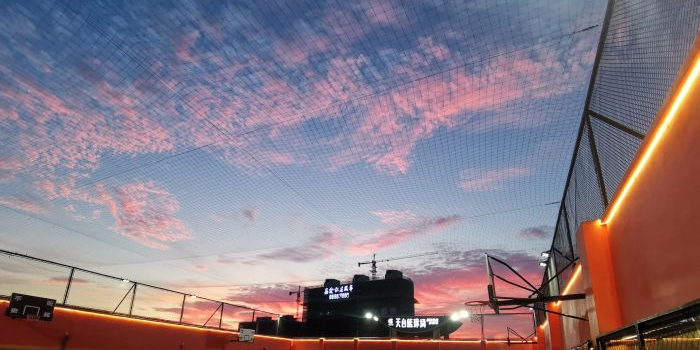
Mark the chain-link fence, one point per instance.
(88, 290)
(643, 46)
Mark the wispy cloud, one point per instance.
(400, 232)
(24, 204)
(480, 180)
(145, 212)
(537, 232)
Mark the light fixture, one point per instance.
(545, 254)
(125, 280)
(454, 317)
(193, 296)
(375, 318)
(463, 314)
(368, 315)
(543, 263)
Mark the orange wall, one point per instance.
(654, 236)
(575, 332)
(102, 332)
(97, 331)
(645, 260)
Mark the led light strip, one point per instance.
(570, 284)
(656, 138)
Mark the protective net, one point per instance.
(644, 45)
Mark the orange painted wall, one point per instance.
(654, 236)
(96, 331)
(645, 260)
(102, 332)
(575, 332)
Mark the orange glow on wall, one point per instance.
(570, 284)
(655, 140)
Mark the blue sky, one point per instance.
(209, 145)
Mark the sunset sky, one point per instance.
(239, 149)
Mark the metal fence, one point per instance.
(675, 330)
(643, 46)
(88, 290)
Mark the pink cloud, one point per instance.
(22, 204)
(84, 132)
(294, 53)
(394, 217)
(9, 169)
(432, 49)
(381, 12)
(184, 46)
(321, 246)
(146, 213)
(400, 232)
(397, 119)
(473, 181)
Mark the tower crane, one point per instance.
(374, 261)
(298, 293)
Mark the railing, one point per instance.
(675, 330)
(83, 289)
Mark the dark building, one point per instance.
(361, 308)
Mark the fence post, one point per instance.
(640, 337)
(133, 296)
(221, 315)
(182, 308)
(70, 280)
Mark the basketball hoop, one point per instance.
(476, 310)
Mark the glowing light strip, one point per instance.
(656, 138)
(159, 323)
(570, 284)
(128, 319)
(154, 323)
(544, 324)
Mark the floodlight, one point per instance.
(543, 263)
(463, 314)
(368, 315)
(375, 318)
(454, 317)
(545, 254)
(125, 280)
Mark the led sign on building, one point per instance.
(413, 323)
(338, 292)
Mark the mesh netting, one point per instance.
(644, 46)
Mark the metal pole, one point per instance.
(253, 319)
(481, 318)
(640, 337)
(133, 296)
(221, 315)
(182, 308)
(70, 280)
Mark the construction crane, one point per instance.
(374, 261)
(298, 293)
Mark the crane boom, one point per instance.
(374, 261)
